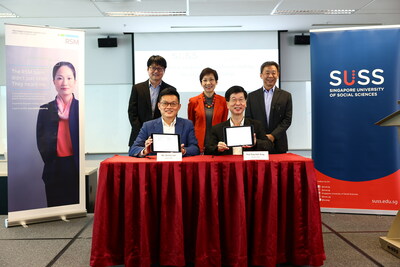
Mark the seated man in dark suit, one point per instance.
(236, 101)
(168, 123)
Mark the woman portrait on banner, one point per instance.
(208, 108)
(57, 135)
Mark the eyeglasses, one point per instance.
(159, 69)
(166, 104)
(240, 100)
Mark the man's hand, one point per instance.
(222, 146)
(147, 146)
(270, 137)
(183, 150)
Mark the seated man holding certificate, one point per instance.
(237, 134)
(168, 133)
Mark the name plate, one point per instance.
(255, 155)
(168, 156)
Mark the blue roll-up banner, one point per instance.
(355, 74)
(45, 90)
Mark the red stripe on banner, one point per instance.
(379, 194)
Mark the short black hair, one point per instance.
(169, 91)
(269, 63)
(208, 71)
(234, 90)
(58, 65)
(158, 60)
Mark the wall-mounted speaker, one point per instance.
(302, 39)
(107, 42)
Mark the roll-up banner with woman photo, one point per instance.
(356, 84)
(45, 86)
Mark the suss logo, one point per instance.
(362, 77)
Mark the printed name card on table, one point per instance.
(255, 155)
(168, 156)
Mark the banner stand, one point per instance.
(357, 162)
(45, 69)
(44, 218)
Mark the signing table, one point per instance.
(206, 210)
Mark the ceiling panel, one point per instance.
(4, 10)
(51, 8)
(232, 8)
(382, 7)
(143, 6)
(322, 5)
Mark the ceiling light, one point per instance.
(344, 24)
(84, 28)
(315, 12)
(205, 27)
(8, 15)
(145, 13)
(116, 1)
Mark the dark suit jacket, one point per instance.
(183, 127)
(139, 109)
(46, 134)
(217, 135)
(280, 115)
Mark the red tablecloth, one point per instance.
(207, 210)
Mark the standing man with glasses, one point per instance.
(144, 96)
(169, 123)
(271, 106)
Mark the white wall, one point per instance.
(108, 65)
(108, 84)
(296, 78)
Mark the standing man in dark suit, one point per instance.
(272, 106)
(144, 96)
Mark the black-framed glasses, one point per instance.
(159, 69)
(166, 104)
